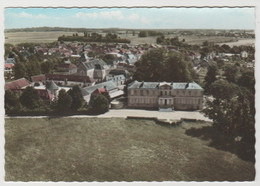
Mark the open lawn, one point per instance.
(117, 149)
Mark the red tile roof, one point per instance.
(9, 65)
(38, 78)
(17, 84)
(62, 77)
(99, 91)
(67, 66)
(45, 94)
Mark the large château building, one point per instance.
(162, 95)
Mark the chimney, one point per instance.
(141, 84)
(187, 85)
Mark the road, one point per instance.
(123, 113)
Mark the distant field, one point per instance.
(34, 37)
(91, 149)
(47, 37)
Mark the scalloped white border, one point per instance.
(126, 3)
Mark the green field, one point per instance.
(91, 149)
(50, 36)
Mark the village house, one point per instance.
(67, 67)
(244, 54)
(117, 79)
(9, 68)
(109, 86)
(17, 85)
(95, 68)
(64, 80)
(163, 95)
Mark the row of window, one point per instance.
(143, 100)
(165, 93)
(164, 101)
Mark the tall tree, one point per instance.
(230, 71)
(11, 101)
(19, 70)
(160, 65)
(211, 76)
(29, 98)
(77, 98)
(64, 101)
(99, 104)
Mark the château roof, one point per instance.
(153, 85)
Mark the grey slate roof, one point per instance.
(153, 85)
(91, 64)
(110, 85)
(51, 85)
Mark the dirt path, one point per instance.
(123, 113)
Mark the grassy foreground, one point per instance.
(91, 149)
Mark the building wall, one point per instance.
(165, 98)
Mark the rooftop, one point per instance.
(153, 85)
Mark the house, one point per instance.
(10, 60)
(45, 95)
(39, 79)
(99, 91)
(117, 79)
(67, 67)
(116, 72)
(109, 86)
(9, 68)
(95, 68)
(17, 85)
(244, 54)
(158, 95)
(70, 80)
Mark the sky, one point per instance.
(140, 18)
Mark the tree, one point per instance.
(11, 101)
(99, 104)
(142, 34)
(29, 98)
(19, 70)
(46, 67)
(160, 65)
(230, 71)
(222, 89)
(247, 79)
(77, 98)
(210, 76)
(64, 101)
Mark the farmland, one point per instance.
(34, 37)
(95, 149)
(50, 36)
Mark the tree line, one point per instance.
(72, 102)
(231, 103)
(94, 37)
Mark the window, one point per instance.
(177, 93)
(189, 92)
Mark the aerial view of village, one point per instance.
(137, 94)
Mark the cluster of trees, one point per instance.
(146, 33)
(169, 41)
(231, 104)
(28, 101)
(94, 37)
(161, 65)
(31, 65)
